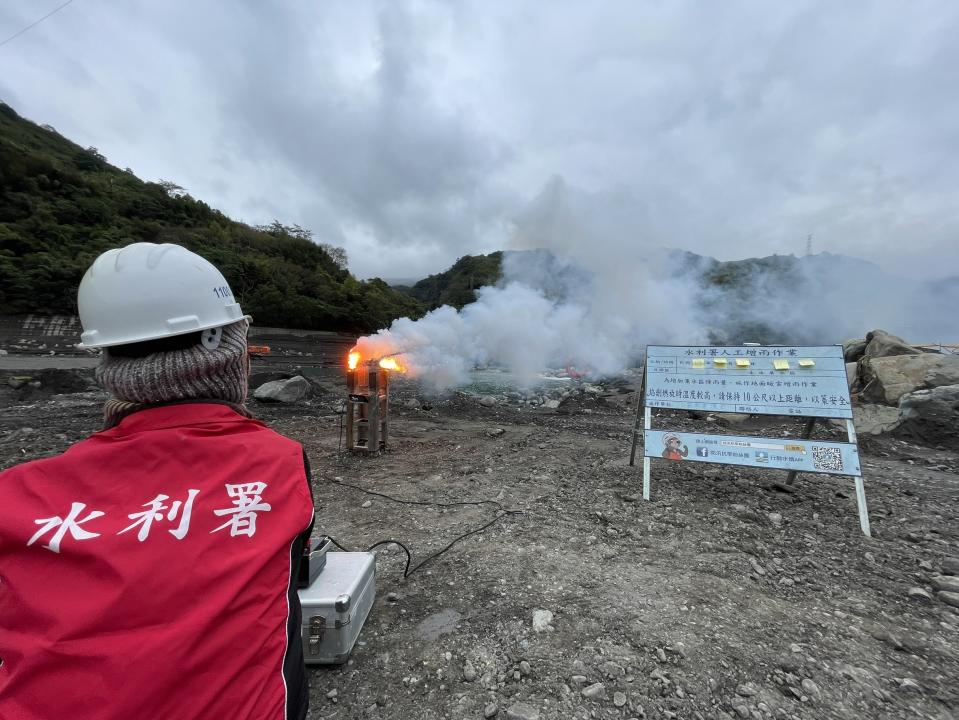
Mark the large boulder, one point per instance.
(875, 419)
(852, 375)
(322, 381)
(931, 416)
(871, 419)
(880, 344)
(887, 379)
(286, 391)
(852, 350)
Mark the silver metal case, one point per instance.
(336, 605)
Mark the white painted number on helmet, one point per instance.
(211, 338)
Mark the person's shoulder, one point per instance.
(283, 438)
(275, 435)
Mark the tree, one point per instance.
(90, 160)
(171, 189)
(337, 254)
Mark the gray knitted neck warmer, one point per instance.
(191, 373)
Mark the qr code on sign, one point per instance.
(827, 458)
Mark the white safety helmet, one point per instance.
(146, 291)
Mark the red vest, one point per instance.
(146, 572)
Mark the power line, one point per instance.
(35, 23)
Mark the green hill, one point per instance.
(61, 205)
(458, 285)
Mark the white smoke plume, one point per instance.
(571, 306)
(518, 326)
(588, 289)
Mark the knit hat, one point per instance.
(210, 365)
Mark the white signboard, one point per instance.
(773, 380)
(793, 381)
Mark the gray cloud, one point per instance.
(416, 132)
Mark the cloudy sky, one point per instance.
(413, 133)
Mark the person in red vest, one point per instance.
(149, 571)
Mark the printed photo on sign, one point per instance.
(675, 448)
(812, 456)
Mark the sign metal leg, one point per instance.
(860, 487)
(863, 510)
(647, 421)
(632, 452)
(639, 407)
(807, 433)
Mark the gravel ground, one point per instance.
(725, 596)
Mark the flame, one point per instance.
(389, 363)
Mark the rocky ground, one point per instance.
(726, 596)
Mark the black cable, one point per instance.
(409, 556)
(417, 502)
(461, 537)
(407, 571)
(333, 540)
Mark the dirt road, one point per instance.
(723, 597)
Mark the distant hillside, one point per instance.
(61, 205)
(774, 299)
(458, 285)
